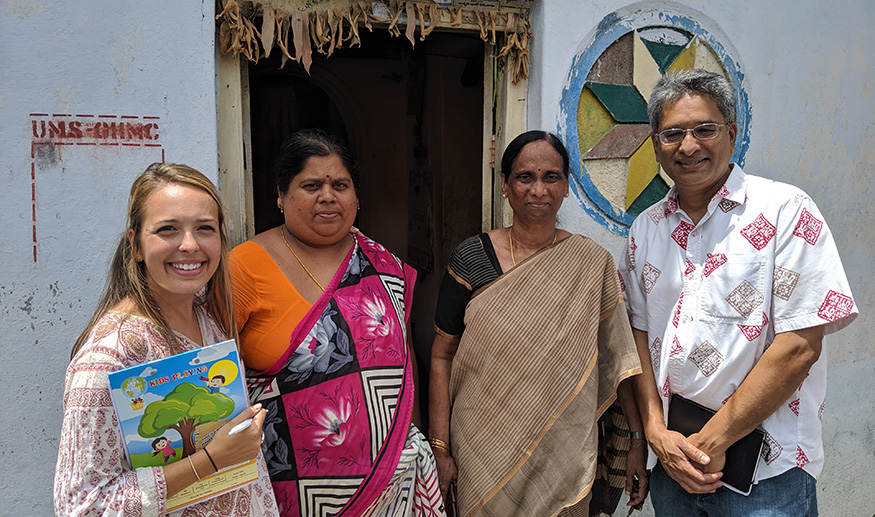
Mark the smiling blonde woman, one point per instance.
(167, 293)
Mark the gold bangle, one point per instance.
(437, 443)
(193, 469)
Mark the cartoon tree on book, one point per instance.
(183, 409)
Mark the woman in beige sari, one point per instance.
(532, 344)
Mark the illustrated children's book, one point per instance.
(170, 408)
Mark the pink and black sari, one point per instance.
(338, 438)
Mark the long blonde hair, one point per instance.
(127, 276)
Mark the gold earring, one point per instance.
(503, 195)
(566, 194)
(280, 207)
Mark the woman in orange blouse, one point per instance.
(322, 319)
(267, 304)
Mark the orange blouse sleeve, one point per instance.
(267, 307)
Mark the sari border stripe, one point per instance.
(315, 312)
(578, 498)
(623, 376)
(459, 279)
(444, 334)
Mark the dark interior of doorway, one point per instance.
(414, 119)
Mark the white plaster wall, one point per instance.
(810, 76)
(79, 57)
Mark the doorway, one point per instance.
(414, 119)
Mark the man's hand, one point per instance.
(718, 459)
(685, 463)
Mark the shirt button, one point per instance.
(685, 319)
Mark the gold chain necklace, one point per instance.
(510, 239)
(283, 233)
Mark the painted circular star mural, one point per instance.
(604, 110)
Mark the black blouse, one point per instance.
(472, 265)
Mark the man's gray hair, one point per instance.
(672, 87)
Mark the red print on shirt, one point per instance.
(677, 312)
(752, 332)
(835, 306)
(671, 206)
(630, 255)
(690, 267)
(808, 227)
(784, 282)
(656, 213)
(803, 382)
(649, 274)
(771, 449)
(707, 358)
(713, 262)
(676, 348)
(655, 351)
(682, 233)
(759, 232)
(727, 205)
(801, 458)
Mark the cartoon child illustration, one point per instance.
(162, 445)
(215, 383)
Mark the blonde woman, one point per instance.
(167, 292)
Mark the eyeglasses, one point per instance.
(672, 136)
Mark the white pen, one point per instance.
(241, 426)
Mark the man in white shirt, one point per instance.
(731, 282)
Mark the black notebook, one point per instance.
(742, 457)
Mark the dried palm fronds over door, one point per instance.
(295, 28)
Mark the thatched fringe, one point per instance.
(337, 26)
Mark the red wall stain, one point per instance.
(59, 129)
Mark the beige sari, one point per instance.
(545, 346)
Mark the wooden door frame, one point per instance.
(504, 108)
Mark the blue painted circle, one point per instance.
(610, 29)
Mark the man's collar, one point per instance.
(729, 196)
(733, 192)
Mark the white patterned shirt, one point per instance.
(712, 296)
(92, 476)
